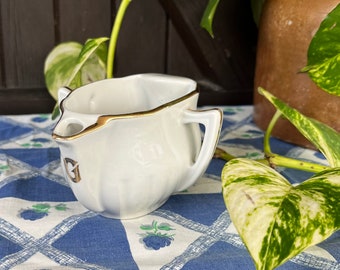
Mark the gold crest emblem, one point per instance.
(72, 169)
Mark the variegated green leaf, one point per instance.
(326, 139)
(59, 66)
(71, 64)
(324, 54)
(208, 16)
(90, 65)
(94, 68)
(276, 220)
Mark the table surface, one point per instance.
(42, 226)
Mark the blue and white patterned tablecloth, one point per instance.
(42, 226)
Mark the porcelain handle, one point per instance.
(212, 121)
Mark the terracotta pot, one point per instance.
(285, 32)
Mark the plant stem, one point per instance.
(221, 154)
(281, 161)
(266, 142)
(114, 36)
(275, 160)
(278, 160)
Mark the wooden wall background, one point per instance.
(161, 36)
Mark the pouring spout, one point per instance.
(66, 128)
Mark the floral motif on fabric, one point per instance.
(156, 235)
(39, 211)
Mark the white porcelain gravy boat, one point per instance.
(127, 144)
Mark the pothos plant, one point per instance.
(275, 219)
(72, 64)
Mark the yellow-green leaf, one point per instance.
(276, 220)
(208, 16)
(73, 65)
(326, 139)
(59, 66)
(90, 63)
(324, 54)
